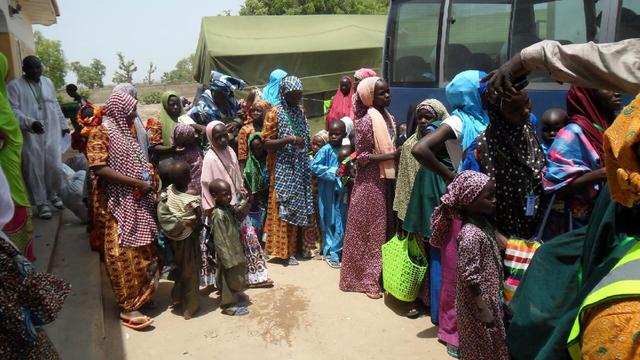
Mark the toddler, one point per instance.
(187, 143)
(552, 121)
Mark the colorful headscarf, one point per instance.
(254, 168)
(462, 191)
(271, 92)
(141, 132)
(125, 88)
(341, 105)
(438, 110)
(464, 96)
(621, 157)
(292, 174)
(364, 73)
(383, 132)
(205, 109)
(167, 121)
(266, 107)
(136, 223)
(592, 119)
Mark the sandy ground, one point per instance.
(305, 316)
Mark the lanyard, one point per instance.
(294, 125)
(599, 127)
(37, 94)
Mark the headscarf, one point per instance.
(141, 132)
(11, 154)
(512, 156)
(383, 133)
(266, 107)
(292, 173)
(205, 109)
(462, 191)
(364, 73)
(433, 105)
(341, 105)
(349, 127)
(324, 135)
(219, 164)
(271, 92)
(136, 223)
(253, 169)
(583, 111)
(182, 135)
(621, 159)
(167, 121)
(464, 96)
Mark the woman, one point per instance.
(130, 229)
(575, 171)
(253, 123)
(20, 228)
(422, 197)
(362, 74)
(219, 101)
(287, 140)
(342, 102)
(271, 92)
(509, 152)
(220, 162)
(369, 223)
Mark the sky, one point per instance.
(162, 31)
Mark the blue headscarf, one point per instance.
(205, 109)
(271, 92)
(464, 96)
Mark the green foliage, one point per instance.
(150, 71)
(52, 56)
(311, 7)
(151, 97)
(90, 76)
(182, 73)
(127, 68)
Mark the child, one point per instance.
(331, 206)
(253, 123)
(471, 198)
(552, 121)
(318, 141)
(257, 180)
(221, 162)
(187, 143)
(225, 232)
(179, 214)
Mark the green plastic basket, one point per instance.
(403, 268)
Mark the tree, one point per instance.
(90, 76)
(182, 73)
(311, 7)
(127, 68)
(52, 57)
(150, 71)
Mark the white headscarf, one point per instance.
(348, 125)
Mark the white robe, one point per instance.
(41, 158)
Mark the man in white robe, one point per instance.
(33, 99)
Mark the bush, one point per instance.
(152, 97)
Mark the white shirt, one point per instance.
(454, 146)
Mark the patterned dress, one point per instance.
(131, 270)
(479, 263)
(367, 220)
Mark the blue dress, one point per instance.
(332, 206)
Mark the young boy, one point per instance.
(225, 232)
(552, 121)
(179, 214)
(331, 205)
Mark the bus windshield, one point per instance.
(480, 34)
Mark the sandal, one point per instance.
(57, 203)
(453, 351)
(293, 261)
(333, 263)
(136, 323)
(236, 311)
(44, 212)
(413, 312)
(374, 295)
(262, 285)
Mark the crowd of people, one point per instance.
(207, 194)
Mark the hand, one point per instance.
(65, 132)
(144, 187)
(232, 126)
(296, 140)
(244, 192)
(37, 127)
(501, 80)
(501, 239)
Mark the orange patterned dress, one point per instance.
(612, 331)
(131, 270)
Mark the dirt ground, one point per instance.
(305, 316)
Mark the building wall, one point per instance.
(16, 38)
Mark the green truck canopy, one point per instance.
(317, 48)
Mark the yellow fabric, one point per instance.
(612, 331)
(621, 160)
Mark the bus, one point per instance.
(428, 42)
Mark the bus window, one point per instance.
(477, 30)
(414, 39)
(628, 20)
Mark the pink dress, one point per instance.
(366, 221)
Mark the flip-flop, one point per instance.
(413, 313)
(236, 311)
(263, 285)
(132, 324)
(374, 296)
(332, 263)
(293, 261)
